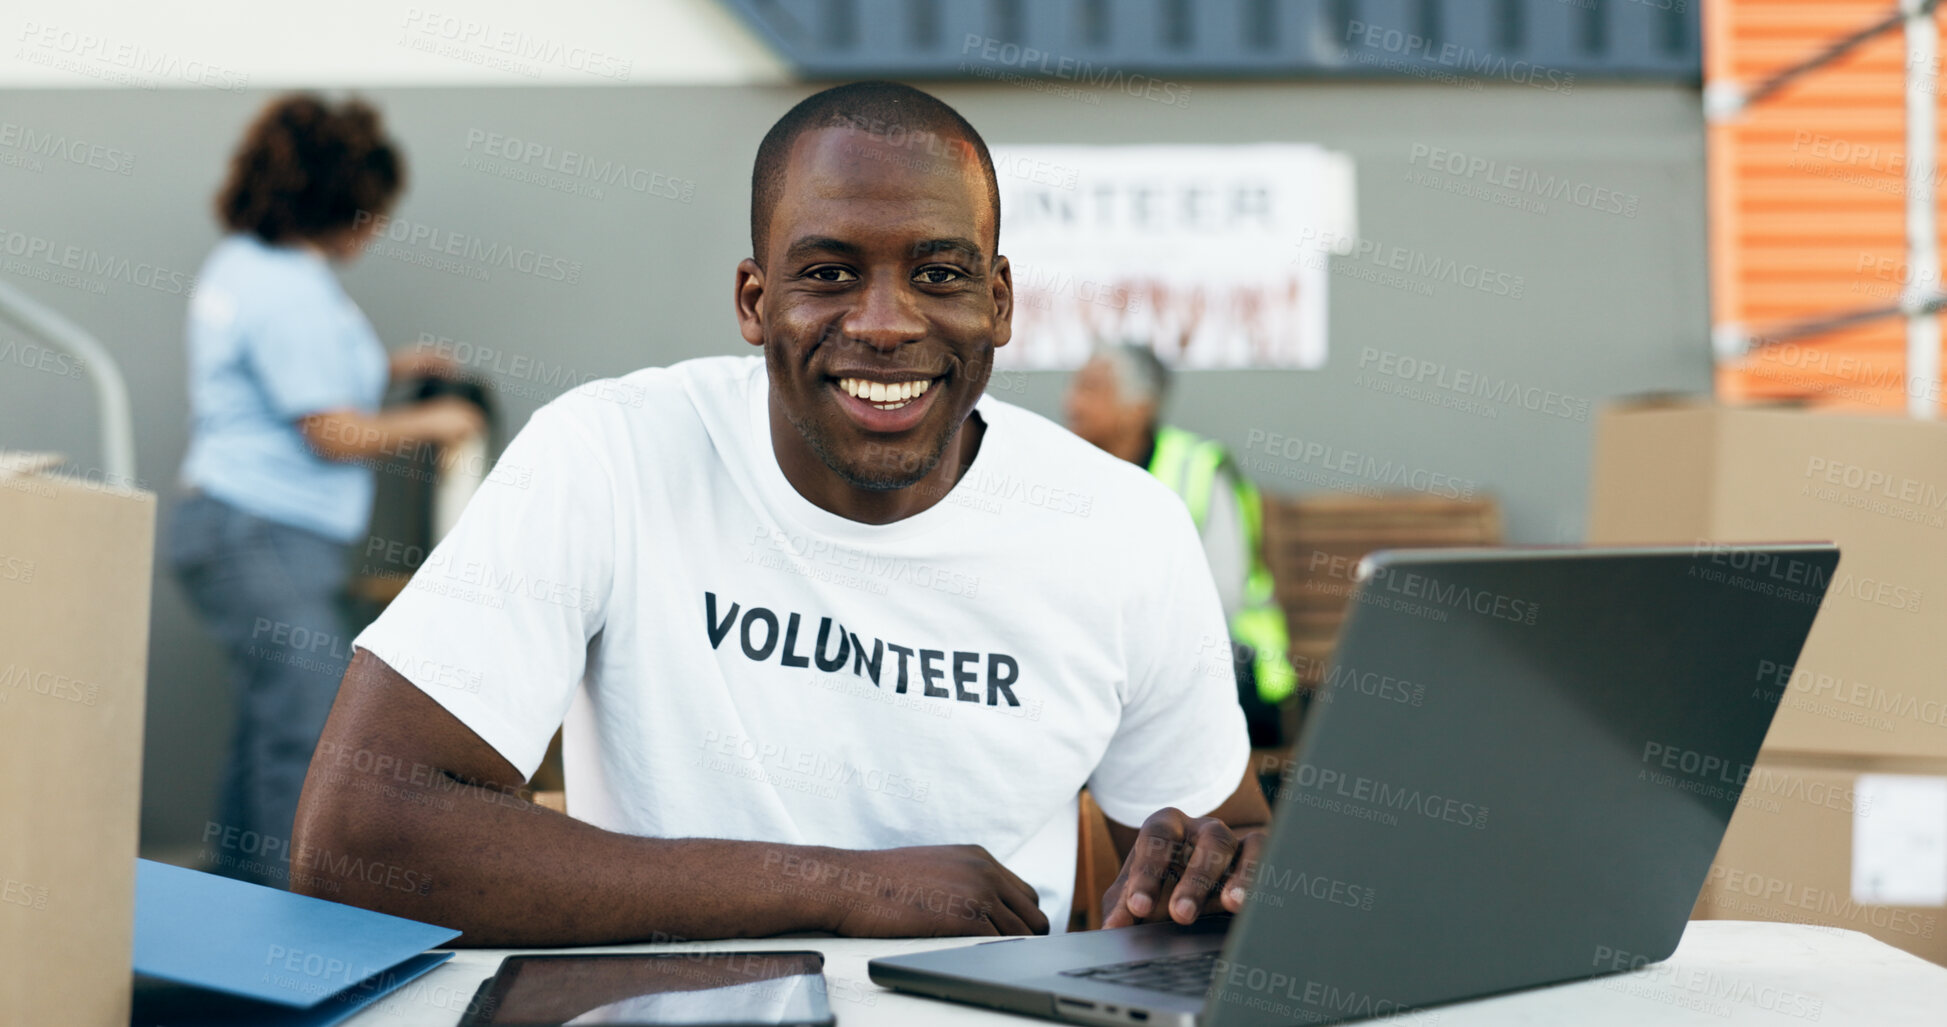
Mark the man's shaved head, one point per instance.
(896, 113)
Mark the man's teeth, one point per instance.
(884, 395)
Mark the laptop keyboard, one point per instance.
(1186, 974)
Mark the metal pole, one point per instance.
(1844, 46)
(1825, 324)
(1922, 231)
(111, 392)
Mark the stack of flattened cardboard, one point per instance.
(1843, 819)
(74, 641)
(1313, 545)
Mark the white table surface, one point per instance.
(1724, 972)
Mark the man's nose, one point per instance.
(887, 315)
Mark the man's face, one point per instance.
(1095, 406)
(879, 302)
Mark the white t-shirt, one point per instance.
(733, 661)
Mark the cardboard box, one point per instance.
(1802, 830)
(74, 638)
(1872, 680)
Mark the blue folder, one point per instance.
(242, 953)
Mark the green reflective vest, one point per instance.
(1189, 464)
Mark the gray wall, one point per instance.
(1609, 304)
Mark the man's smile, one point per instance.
(887, 402)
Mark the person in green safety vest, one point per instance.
(1114, 402)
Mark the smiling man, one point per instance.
(834, 638)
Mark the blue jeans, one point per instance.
(270, 594)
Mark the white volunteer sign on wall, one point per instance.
(1211, 254)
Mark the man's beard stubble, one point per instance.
(888, 478)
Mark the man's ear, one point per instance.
(750, 301)
(1003, 285)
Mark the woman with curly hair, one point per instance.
(285, 380)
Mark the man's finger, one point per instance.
(1037, 920)
(980, 925)
(1243, 873)
(1021, 898)
(1008, 875)
(1027, 905)
(1213, 847)
(1118, 914)
(1004, 917)
(1156, 848)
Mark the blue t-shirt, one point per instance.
(272, 339)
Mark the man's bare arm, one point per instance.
(408, 812)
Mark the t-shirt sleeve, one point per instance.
(306, 352)
(495, 624)
(1181, 741)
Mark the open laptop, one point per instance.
(1517, 772)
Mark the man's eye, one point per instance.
(938, 275)
(831, 273)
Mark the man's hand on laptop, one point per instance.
(1210, 865)
(931, 891)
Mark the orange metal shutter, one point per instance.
(1807, 200)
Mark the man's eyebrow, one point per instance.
(825, 244)
(811, 244)
(966, 247)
